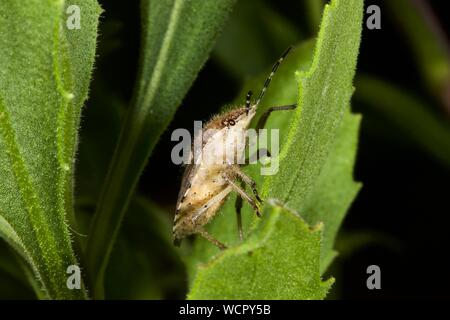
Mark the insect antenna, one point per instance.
(248, 100)
(269, 78)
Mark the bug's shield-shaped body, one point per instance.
(204, 187)
(212, 175)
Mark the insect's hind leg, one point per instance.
(263, 119)
(211, 239)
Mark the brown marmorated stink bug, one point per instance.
(205, 184)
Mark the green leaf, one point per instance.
(177, 36)
(335, 189)
(315, 169)
(279, 261)
(317, 158)
(325, 92)
(45, 70)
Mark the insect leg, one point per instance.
(211, 239)
(238, 206)
(247, 180)
(263, 119)
(243, 194)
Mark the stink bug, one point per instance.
(205, 185)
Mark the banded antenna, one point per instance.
(248, 100)
(269, 78)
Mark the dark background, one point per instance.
(401, 217)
